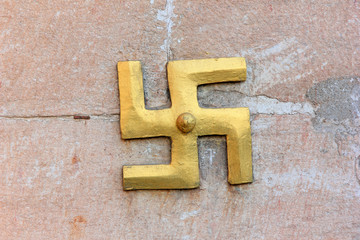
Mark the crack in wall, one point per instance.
(325, 105)
(257, 104)
(78, 117)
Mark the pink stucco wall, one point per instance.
(60, 177)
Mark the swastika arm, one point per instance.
(136, 121)
(185, 75)
(235, 124)
(182, 173)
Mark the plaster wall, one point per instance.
(60, 177)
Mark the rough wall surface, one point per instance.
(60, 177)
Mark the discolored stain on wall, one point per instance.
(335, 100)
(77, 227)
(75, 159)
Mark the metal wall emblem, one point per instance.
(184, 122)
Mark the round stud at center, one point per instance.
(186, 122)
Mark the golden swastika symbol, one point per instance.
(184, 122)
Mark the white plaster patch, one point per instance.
(211, 153)
(56, 169)
(280, 63)
(166, 16)
(186, 215)
(278, 48)
(266, 105)
(312, 178)
(36, 171)
(8, 178)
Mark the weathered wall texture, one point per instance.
(60, 178)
